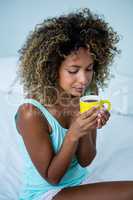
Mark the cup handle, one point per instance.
(102, 102)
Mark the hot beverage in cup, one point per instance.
(87, 102)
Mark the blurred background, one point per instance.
(18, 18)
(114, 160)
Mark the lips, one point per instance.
(79, 89)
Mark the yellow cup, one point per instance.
(87, 102)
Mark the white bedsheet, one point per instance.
(114, 160)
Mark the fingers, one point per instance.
(104, 114)
(99, 125)
(103, 117)
(102, 120)
(90, 118)
(95, 117)
(92, 124)
(89, 112)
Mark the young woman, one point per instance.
(63, 59)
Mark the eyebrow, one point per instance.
(78, 66)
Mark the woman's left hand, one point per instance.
(103, 117)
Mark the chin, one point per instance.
(76, 94)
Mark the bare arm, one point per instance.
(34, 130)
(86, 150)
(62, 160)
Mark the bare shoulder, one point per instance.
(28, 113)
(28, 110)
(34, 130)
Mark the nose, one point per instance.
(83, 78)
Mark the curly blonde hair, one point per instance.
(55, 38)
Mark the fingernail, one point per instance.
(99, 115)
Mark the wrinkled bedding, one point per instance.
(114, 160)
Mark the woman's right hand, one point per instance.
(82, 123)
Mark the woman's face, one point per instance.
(75, 72)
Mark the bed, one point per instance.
(114, 160)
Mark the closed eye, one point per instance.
(72, 72)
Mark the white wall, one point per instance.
(18, 17)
